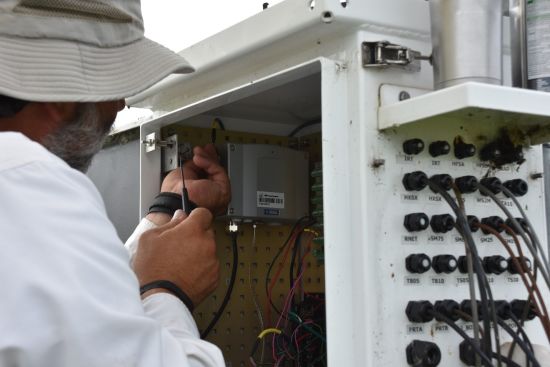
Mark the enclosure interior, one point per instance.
(266, 117)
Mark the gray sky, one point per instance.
(178, 24)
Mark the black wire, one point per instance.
(519, 342)
(298, 222)
(219, 121)
(487, 361)
(232, 279)
(303, 126)
(463, 223)
(523, 334)
(506, 360)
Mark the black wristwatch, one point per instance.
(168, 203)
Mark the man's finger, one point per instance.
(208, 151)
(211, 167)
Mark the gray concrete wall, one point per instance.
(115, 172)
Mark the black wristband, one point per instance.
(168, 202)
(168, 285)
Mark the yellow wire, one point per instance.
(215, 124)
(269, 331)
(311, 231)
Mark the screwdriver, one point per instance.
(185, 205)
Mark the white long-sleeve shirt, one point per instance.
(68, 295)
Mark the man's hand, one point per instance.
(182, 251)
(205, 179)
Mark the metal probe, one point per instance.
(186, 207)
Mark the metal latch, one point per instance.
(383, 54)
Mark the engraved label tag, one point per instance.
(435, 199)
(409, 198)
(409, 239)
(415, 329)
(436, 239)
(441, 328)
(437, 281)
(413, 281)
(404, 159)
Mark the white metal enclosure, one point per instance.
(364, 125)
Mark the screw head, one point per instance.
(404, 95)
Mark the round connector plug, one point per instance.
(517, 187)
(415, 181)
(466, 184)
(423, 354)
(442, 223)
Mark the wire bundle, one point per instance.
(298, 335)
(482, 343)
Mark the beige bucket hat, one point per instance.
(79, 51)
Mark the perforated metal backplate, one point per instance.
(240, 325)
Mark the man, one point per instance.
(69, 295)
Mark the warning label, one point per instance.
(275, 200)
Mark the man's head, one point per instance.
(67, 65)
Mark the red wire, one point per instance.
(277, 275)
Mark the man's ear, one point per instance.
(59, 111)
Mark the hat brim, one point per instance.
(46, 70)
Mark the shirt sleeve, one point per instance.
(72, 299)
(168, 310)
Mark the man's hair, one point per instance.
(9, 106)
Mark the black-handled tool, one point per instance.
(185, 203)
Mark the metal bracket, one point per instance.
(151, 142)
(172, 154)
(383, 54)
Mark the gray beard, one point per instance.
(80, 139)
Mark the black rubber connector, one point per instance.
(495, 264)
(423, 354)
(492, 184)
(466, 307)
(473, 223)
(494, 222)
(518, 187)
(466, 184)
(524, 263)
(447, 308)
(438, 148)
(518, 306)
(415, 222)
(522, 222)
(444, 264)
(418, 263)
(419, 311)
(415, 181)
(413, 146)
(463, 150)
(442, 223)
(444, 181)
